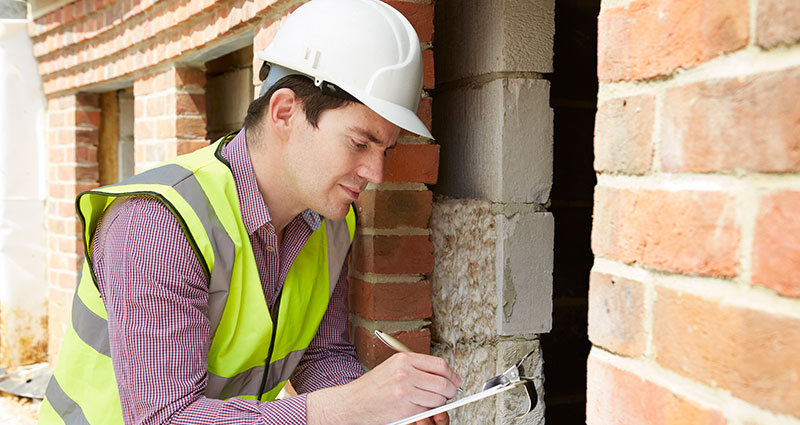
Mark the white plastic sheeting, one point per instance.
(23, 259)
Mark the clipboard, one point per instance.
(512, 378)
(458, 403)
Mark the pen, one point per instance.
(396, 345)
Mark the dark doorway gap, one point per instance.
(573, 98)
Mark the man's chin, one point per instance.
(336, 213)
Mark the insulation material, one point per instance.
(23, 279)
(463, 283)
(474, 363)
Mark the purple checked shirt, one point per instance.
(156, 296)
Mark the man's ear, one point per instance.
(283, 107)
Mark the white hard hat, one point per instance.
(365, 47)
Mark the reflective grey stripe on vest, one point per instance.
(91, 328)
(338, 240)
(249, 381)
(69, 411)
(185, 183)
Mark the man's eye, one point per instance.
(359, 146)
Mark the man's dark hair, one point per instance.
(314, 101)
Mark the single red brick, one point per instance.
(84, 136)
(776, 243)
(390, 300)
(189, 146)
(623, 135)
(427, 65)
(190, 104)
(64, 262)
(191, 127)
(87, 100)
(394, 254)
(394, 208)
(692, 232)
(144, 130)
(144, 86)
(616, 314)
(372, 352)
(721, 125)
(615, 396)
(777, 22)
(425, 111)
(419, 14)
(67, 13)
(165, 128)
(412, 164)
(156, 106)
(648, 38)
(186, 77)
(751, 353)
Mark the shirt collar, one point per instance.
(255, 212)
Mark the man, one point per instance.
(213, 279)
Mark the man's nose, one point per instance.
(371, 169)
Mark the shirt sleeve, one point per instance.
(330, 359)
(156, 296)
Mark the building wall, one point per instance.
(160, 49)
(492, 232)
(694, 313)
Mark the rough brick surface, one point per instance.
(776, 244)
(372, 352)
(616, 314)
(390, 301)
(419, 14)
(394, 208)
(751, 353)
(692, 232)
(393, 254)
(623, 135)
(777, 22)
(618, 397)
(649, 38)
(412, 164)
(750, 123)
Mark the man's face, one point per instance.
(330, 165)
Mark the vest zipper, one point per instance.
(274, 314)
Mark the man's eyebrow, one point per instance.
(369, 136)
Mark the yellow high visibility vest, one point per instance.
(253, 350)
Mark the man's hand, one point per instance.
(403, 385)
(438, 419)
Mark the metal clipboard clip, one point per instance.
(515, 375)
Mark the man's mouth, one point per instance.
(351, 193)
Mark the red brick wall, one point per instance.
(694, 313)
(73, 123)
(141, 44)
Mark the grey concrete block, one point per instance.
(524, 268)
(490, 36)
(497, 141)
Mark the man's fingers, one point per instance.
(437, 385)
(433, 365)
(441, 419)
